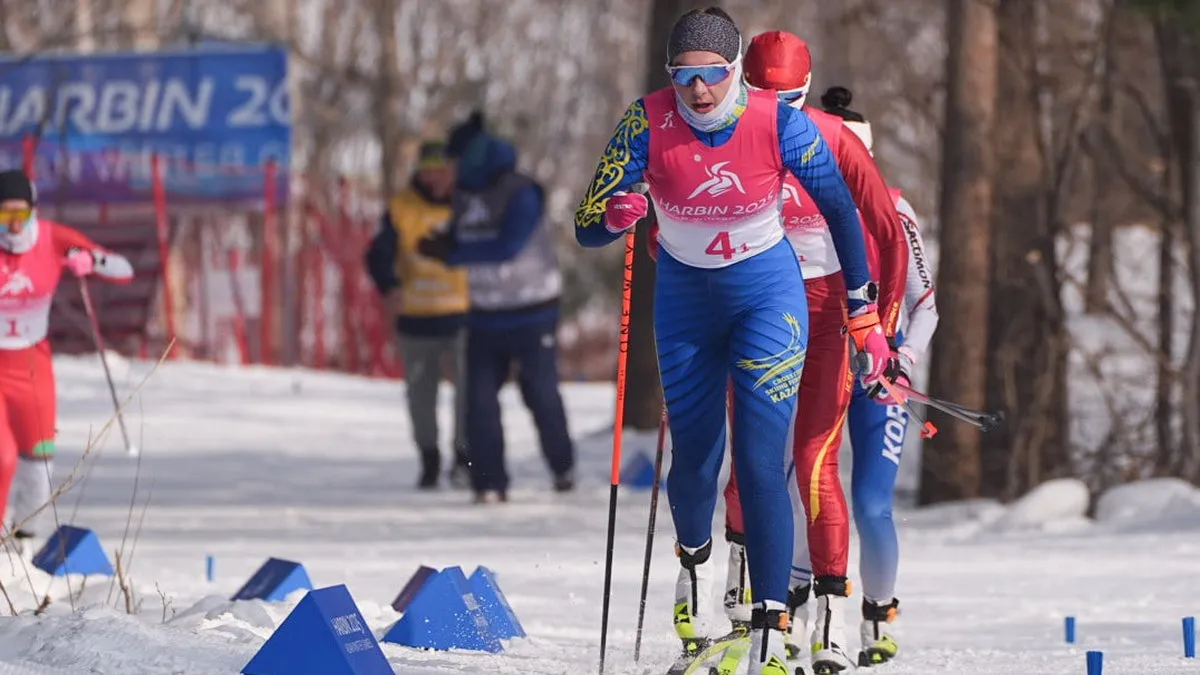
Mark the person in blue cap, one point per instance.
(498, 232)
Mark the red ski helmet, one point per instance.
(781, 61)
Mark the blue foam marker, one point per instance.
(1069, 626)
(1189, 637)
(445, 615)
(638, 472)
(495, 606)
(274, 581)
(1095, 663)
(325, 634)
(73, 550)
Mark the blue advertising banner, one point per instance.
(215, 117)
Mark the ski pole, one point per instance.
(618, 428)
(658, 462)
(98, 339)
(986, 421)
(928, 430)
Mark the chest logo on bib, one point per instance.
(17, 284)
(720, 180)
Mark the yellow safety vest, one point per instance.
(427, 287)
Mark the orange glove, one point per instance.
(869, 340)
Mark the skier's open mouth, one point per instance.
(703, 107)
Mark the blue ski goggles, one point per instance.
(709, 75)
(792, 95)
(788, 96)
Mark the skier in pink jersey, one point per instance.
(729, 299)
(33, 254)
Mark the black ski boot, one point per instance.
(431, 466)
(460, 473)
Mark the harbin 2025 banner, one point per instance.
(215, 116)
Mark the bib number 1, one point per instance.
(723, 246)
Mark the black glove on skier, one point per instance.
(437, 246)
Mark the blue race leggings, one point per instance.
(748, 323)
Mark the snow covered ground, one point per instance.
(243, 464)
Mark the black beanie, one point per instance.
(837, 100)
(15, 184)
(702, 31)
(462, 134)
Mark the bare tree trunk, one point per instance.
(950, 467)
(1100, 248)
(837, 40)
(643, 397)
(1028, 348)
(1190, 468)
(1164, 404)
(85, 26)
(1177, 52)
(140, 24)
(384, 96)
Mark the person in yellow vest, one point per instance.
(430, 302)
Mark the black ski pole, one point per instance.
(986, 421)
(98, 338)
(658, 462)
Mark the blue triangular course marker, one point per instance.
(414, 585)
(638, 472)
(445, 615)
(73, 550)
(494, 605)
(274, 581)
(324, 634)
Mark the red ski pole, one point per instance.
(618, 428)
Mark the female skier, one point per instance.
(729, 298)
(33, 253)
(877, 432)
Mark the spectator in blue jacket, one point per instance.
(498, 232)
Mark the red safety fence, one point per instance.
(274, 280)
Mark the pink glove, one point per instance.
(80, 262)
(873, 349)
(623, 211)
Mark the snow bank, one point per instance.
(1161, 502)
(950, 514)
(1055, 505)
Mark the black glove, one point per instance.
(891, 372)
(437, 246)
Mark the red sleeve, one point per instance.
(882, 224)
(66, 238)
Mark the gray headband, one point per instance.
(704, 33)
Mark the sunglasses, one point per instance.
(709, 75)
(10, 217)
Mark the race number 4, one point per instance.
(723, 246)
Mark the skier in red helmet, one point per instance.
(780, 61)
